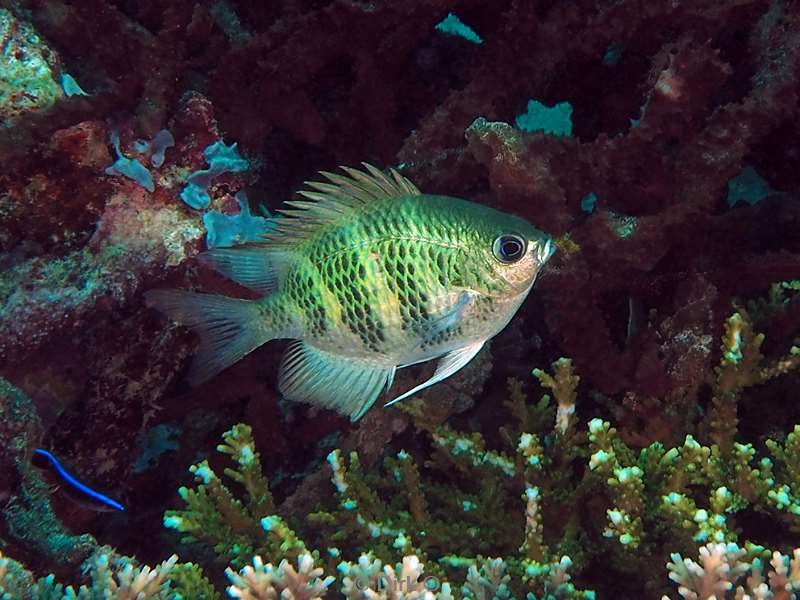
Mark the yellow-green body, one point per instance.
(378, 285)
(371, 275)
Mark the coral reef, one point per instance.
(27, 83)
(362, 520)
(265, 581)
(660, 501)
(28, 517)
(657, 141)
(111, 578)
(726, 568)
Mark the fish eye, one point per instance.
(509, 248)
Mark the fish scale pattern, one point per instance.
(341, 289)
(411, 280)
(422, 272)
(419, 258)
(302, 288)
(350, 286)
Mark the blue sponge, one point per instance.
(229, 230)
(221, 159)
(130, 168)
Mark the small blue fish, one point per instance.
(84, 489)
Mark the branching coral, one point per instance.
(689, 137)
(232, 526)
(370, 579)
(265, 582)
(112, 578)
(654, 501)
(564, 385)
(726, 571)
(523, 502)
(698, 489)
(375, 518)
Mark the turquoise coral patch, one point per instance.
(556, 119)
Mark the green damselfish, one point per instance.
(369, 275)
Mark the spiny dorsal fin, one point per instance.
(327, 202)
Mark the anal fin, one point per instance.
(346, 385)
(449, 364)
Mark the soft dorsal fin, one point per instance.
(257, 267)
(327, 202)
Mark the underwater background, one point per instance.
(634, 432)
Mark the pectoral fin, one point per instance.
(452, 316)
(448, 364)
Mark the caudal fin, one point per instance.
(228, 328)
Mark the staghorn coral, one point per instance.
(564, 385)
(404, 581)
(364, 525)
(693, 492)
(234, 527)
(265, 582)
(654, 501)
(727, 471)
(112, 577)
(370, 579)
(188, 581)
(728, 571)
(121, 580)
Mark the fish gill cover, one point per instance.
(631, 432)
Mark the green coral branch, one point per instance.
(361, 516)
(463, 503)
(234, 528)
(249, 473)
